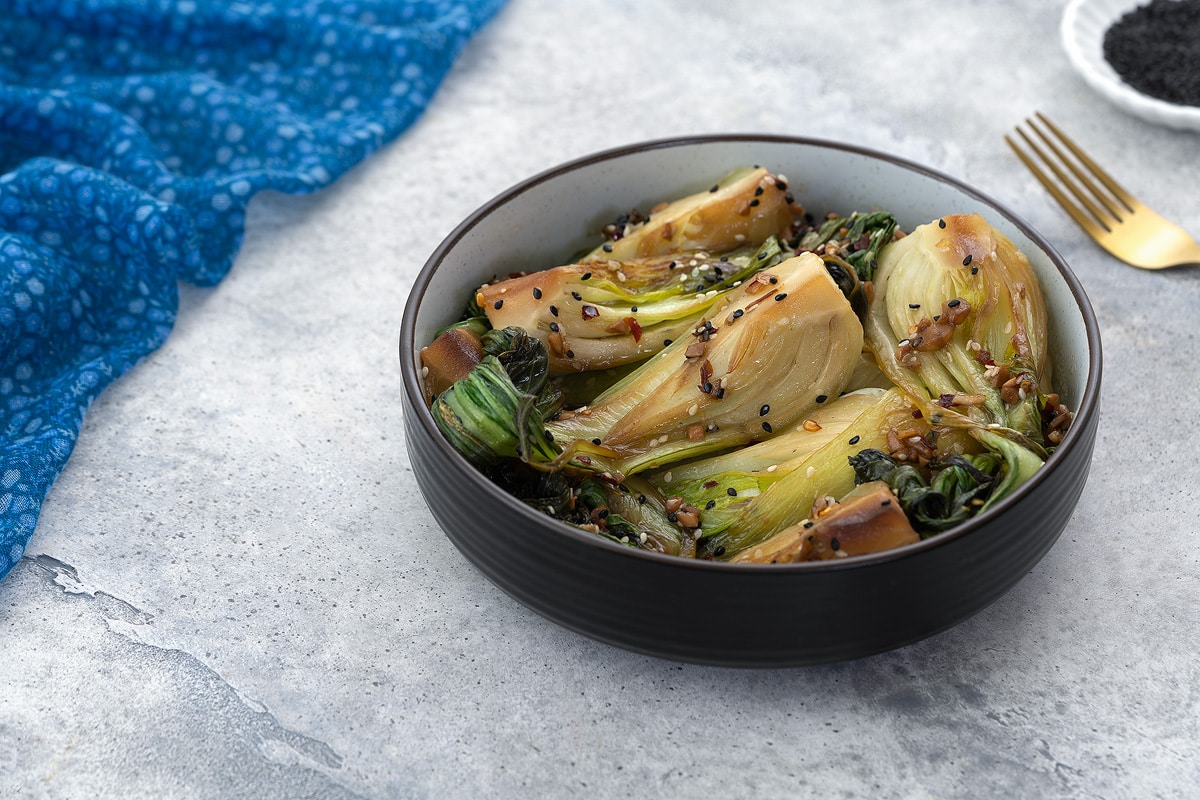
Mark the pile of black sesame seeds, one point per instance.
(1156, 49)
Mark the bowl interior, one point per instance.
(539, 223)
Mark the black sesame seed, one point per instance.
(673, 517)
(714, 187)
(732, 492)
(762, 412)
(835, 544)
(762, 255)
(774, 279)
(941, 223)
(672, 265)
(808, 524)
(821, 398)
(710, 505)
(974, 269)
(641, 499)
(585, 276)
(737, 314)
(595, 441)
(607, 248)
(953, 303)
(720, 551)
(554, 327)
(666, 342)
(576, 295)
(886, 503)
(753, 203)
(780, 296)
(570, 354)
(720, 393)
(766, 426)
(914, 306)
(537, 293)
(758, 191)
(602, 513)
(554, 310)
(633, 309)
(854, 439)
(708, 387)
(499, 304)
(967, 260)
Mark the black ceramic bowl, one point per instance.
(720, 613)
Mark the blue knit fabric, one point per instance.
(132, 135)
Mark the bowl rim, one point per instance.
(410, 353)
(1086, 55)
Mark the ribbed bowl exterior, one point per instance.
(747, 615)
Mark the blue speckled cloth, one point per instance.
(132, 135)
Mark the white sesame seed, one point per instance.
(692, 409)
(667, 476)
(808, 473)
(772, 468)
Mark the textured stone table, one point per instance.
(236, 591)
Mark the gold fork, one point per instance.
(1115, 219)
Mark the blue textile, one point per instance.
(132, 135)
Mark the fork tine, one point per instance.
(1115, 213)
(1118, 192)
(1083, 220)
(1106, 220)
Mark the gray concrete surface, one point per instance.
(236, 590)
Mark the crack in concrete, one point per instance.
(208, 697)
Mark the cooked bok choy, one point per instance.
(773, 350)
(958, 319)
(742, 507)
(746, 384)
(593, 316)
(747, 206)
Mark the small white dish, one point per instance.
(1084, 24)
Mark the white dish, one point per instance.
(1084, 24)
